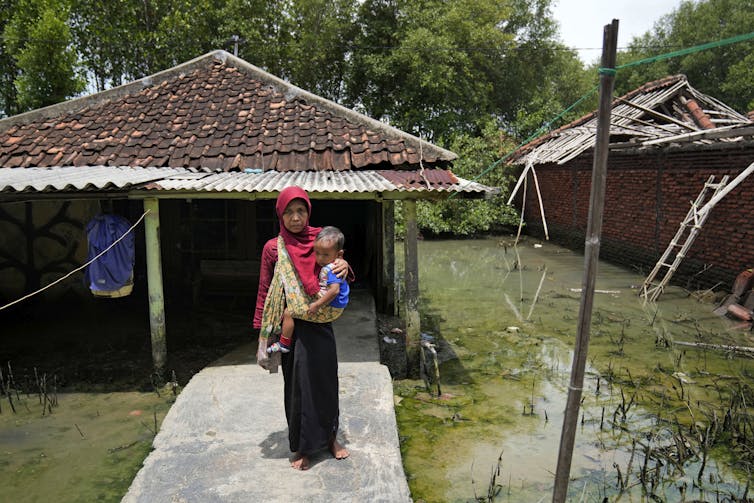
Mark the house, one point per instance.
(666, 140)
(201, 151)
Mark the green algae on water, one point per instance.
(505, 324)
(88, 449)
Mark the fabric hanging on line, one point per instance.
(112, 274)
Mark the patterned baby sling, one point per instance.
(286, 291)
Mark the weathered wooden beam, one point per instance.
(658, 115)
(388, 254)
(328, 196)
(154, 284)
(707, 134)
(411, 279)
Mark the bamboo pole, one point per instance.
(721, 347)
(591, 255)
(725, 190)
(154, 284)
(518, 183)
(541, 206)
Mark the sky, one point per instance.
(581, 21)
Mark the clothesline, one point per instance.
(78, 268)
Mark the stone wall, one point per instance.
(647, 196)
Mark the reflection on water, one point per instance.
(506, 321)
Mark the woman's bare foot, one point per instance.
(300, 462)
(337, 450)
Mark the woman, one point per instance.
(310, 369)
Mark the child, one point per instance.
(333, 291)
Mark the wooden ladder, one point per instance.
(683, 239)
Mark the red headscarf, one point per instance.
(300, 246)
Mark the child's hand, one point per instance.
(313, 308)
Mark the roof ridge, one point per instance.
(289, 91)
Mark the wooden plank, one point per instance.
(388, 254)
(411, 279)
(154, 285)
(707, 134)
(658, 114)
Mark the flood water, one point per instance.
(504, 321)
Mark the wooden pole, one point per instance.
(725, 190)
(591, 256)
(388, 255)
(411, 279)
(154, 284)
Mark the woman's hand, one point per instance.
(340, 267)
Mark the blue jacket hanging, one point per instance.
(112, 274)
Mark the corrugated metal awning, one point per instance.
(79, 178)
(421, 184)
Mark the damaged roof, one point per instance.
(660, 113)
(217, 112)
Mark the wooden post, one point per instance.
(411, 278)
(154, 284)
(591, 256)
(388, 255)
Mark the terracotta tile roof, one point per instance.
(217, 112)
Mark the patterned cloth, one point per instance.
(286, 291)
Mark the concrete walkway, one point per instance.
(225, 438)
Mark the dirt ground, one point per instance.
(105, 345)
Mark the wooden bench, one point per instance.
(232, 278)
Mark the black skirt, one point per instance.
(310, 373)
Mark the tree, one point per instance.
(321, 39)
(8, 68)
(265, 32)
(723, 72)
(436, 67)
(427, 65)
(186, 29)
(460, 217)
(40, 41)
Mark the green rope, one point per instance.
(613, 71)
(543, 129)
(690, 50)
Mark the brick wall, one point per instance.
(647, 196)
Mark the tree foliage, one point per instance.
(476, 154)
(8, 68)
(39, 38)
(435, 67)
(455, 73)
(724, 72)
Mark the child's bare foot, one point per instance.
(338, 451)
(300, 462)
